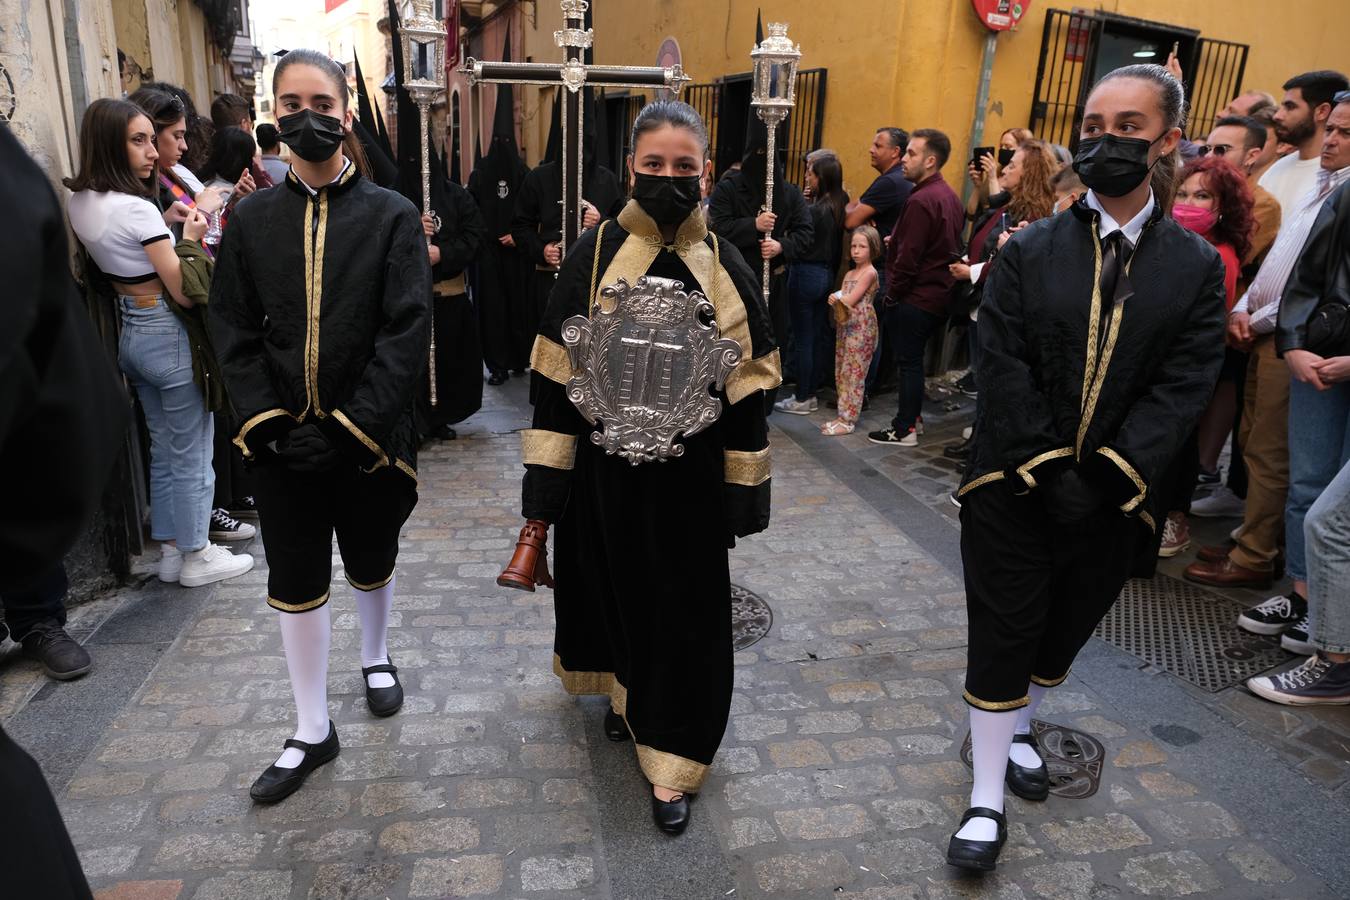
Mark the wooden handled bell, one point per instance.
(529, 564)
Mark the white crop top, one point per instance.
(116, 228)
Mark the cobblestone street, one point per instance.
(840, 775)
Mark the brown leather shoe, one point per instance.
(1214, 553)
(1226, 574)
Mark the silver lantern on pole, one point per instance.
(773, 95)
(423, 37)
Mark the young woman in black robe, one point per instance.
(642, 594)
(320, 312)
(1101, 332)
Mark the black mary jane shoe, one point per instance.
(1028, 783)
(671, 817)
(981, 856)
(276, 783)
(616, 729)
(383, 701)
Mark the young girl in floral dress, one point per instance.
(855, 328)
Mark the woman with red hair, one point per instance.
(1215, 202)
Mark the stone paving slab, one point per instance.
(839, 775)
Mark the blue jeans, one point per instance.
(1319, 447)
(1327, 533)
(913, 327)
(157, 359)
(808, 286)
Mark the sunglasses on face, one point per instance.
(1216, 149)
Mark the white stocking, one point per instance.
(1024, 754)
(306, 638)
(991, 735)
(374, 607)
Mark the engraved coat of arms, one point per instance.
(647, 359)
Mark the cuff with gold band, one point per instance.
(995, 705)
(1110, 471)
(550, 359)
(1041, 468)
(261, 429)
(747, 467)
(750, 375)
(354, 443)
(548, 448)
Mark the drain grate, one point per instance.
(1073, 758)
(1189, 632)
(751, 617)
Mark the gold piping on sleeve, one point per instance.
(406, 470)
(1129, 473)
(241, 439)
(1024, 470)
(549, 359)
(297, 607)
(370, 587)
(1148, 520)
(995, 706)
(749, 468)
(671, 771)
(986, 478)
(1049, 682)
(548, 448)
(382, 457)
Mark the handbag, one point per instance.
(840, 314)
(1328, 330)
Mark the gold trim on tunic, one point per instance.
(670, 771)
(1130, 473)
(297, 607)
(370, 587)
(995, 705)
(382, 459)
(986, 478)
(1024, 470)
(548, 448)
(241, 439)
(549, 359)
(1049, 682)
(747, 467)
(1148, 520)
(583, 682)
(450, 286)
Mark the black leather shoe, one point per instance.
(277, 784)
(615, 727)
(1028, 783)
(982, 856)
(497, 378)
(958, 451)
(672, 817)
(383, 701)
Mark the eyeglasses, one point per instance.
(1216, 149)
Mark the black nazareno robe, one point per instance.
(643, 600)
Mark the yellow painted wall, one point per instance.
(916, 63)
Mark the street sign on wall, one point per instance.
(1000, 15)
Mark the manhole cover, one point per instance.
(1188, 631)
(751, 617)
(1073, 758)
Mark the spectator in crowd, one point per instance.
(810, 159)
(233, 111)
(1068, 188)
(1215, 202)
(227, 172)
(269, 145)
(124, 235)
(1299, 122)
(176, 195)
(984, 177)
(1026, 194)
(809, 280)
(1267, 420)
(855, 321)
(925, 240)
(1319, 424)
(1270, 151)
(1240, 140)
(197, 136)
(1249, 103)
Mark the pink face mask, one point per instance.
(1195, 218)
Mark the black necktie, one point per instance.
(1115, 287)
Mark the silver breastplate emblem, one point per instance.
(648, 357)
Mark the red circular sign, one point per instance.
(1000, 15)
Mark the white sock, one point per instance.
(990, 734)
(306, 637)
(1024, 754)
(374, 608)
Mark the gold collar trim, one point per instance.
(634, 220)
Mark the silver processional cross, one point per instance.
(574, 75)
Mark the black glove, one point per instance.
(306, 449)
(1071, 498)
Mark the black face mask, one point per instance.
(311, 136)
(1112, 165)
(668, 199)
(1004, 156)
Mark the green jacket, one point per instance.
(197, 267)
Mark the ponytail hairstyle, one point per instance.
(1172, 104)
(351, 144)
(674, 113)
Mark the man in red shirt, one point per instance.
(926, 239)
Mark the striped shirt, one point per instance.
(1262, 300)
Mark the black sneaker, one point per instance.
(61, 657)
(1210, 478)
(245, 508)
(1295, 639)
(225, 527)
(890, 436)
(1317, 681)
(966, 385)
(1274, 616)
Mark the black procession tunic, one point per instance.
(643, 589)
(320, 306)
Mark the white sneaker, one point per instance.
(966, 432)
(212, 563)
(1221, 503)
(796, 407)
(225, 527)
(170, 563)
